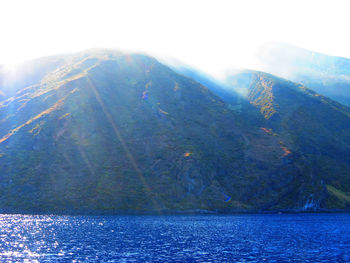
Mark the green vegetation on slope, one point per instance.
(109, 132)
(103, 131)
(307, 124)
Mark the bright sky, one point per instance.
(210, 35)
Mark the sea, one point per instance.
(177, 238)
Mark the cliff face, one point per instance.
(102, 131)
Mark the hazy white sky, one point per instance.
(211, 35)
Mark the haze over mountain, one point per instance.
(327, 75)
(307, 122)
(105, 132)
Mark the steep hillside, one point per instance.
(109, 132)
(327, 75)
(234, 99)
(211, 83)
(28, 73)
(309, 124)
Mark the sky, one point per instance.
(213, 36)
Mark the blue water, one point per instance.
(234, 238)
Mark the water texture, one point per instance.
(208, 238)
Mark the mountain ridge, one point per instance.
(327, 75)
(116, 132)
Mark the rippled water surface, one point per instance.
(243, 238)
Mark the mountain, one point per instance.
(308, 123)
(327, 75)
(28, 73)
(103, 131)
(232, 92)
(208, 81)
(108, 132)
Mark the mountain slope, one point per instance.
(327, 75)
(112, 132)
(308, 123)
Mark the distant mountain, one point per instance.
(107, 132)
(308, 123)
(327, 75)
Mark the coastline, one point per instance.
(191, 212)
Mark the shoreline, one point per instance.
(171, 212)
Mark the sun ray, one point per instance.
(123, 143)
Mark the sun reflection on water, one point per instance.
(207, 238)
(25, 238)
